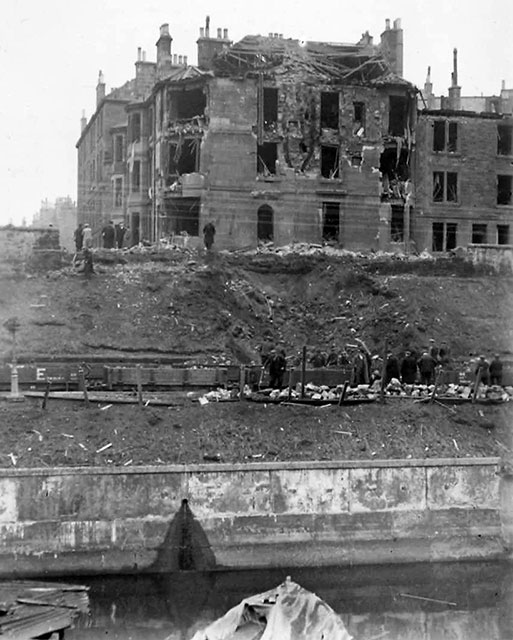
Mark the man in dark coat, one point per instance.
(78, 237)
(391, 368)
(209, 231)
(277, 367)
(408, 368)
(482, 370)
(120, 235)
(496, 370)
(427, 366)
(109, 236)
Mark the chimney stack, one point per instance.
(100, 89)
(209, 47)
(225, 34)
(454, 90)
(392, 46)
(83, 121)
(163, 45)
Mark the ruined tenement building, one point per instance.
(271, 138)
(464, 168)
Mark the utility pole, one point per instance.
(12, 325)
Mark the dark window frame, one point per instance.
(479, 233)
(504, 190)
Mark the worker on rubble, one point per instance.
(87, 236)
(482, 371)
(109, 235)
(444, 356)
(496, 370)
(209, 231)
(361, 364)
(78, 237)
(318, 360)
(277, 367)
(332, 357)
(434, 351)
(409, 368)
(391, 368)
(427, 365)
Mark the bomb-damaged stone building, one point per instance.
(271, 138)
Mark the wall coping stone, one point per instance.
(250, 466)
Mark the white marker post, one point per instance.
(12, 325)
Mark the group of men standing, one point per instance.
(113, 236)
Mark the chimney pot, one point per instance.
(219, 33)
(270, 35)
(202, 32)
(179, 59)
(503, 85)
(387, 24)
(225, 34)
(185, 60)
(207, 27)
(164, 29)
(397, 23)
(101, 79)
(144, 56)
(139, 58)
(175, 58)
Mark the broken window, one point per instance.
(267, 156)
(445, 186)
(136, 176)
(358, 118)
(445, 136)
(329, 161)
(504, 140)
(188, 104)
(329, 110)
(265, 223)
(444, 236)
(439, 135)
(118, 192)
(503, 234)
(438, 236)
(438, 186)
(452, 138)
(397, 223)
(135, 127)
(394, 169)
(397, 115)
(118, 149)
(183, 156)
(504, 189)
(183, 215)
(330, 221)
(270, 106)
(452, 187)
(478, 234)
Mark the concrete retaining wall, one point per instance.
(254, 515)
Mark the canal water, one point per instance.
(450, 601)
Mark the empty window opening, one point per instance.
(329, 110)
(358, 118)
(270, 106)
(438, 236)
(397, 223)
(452, 187)
(438, 186)
(183, 215)
(183, 157)
(188, 104)
(118, 192)
(478, 234)
(444, 236)
(452, 137)
(439, 135)
(265, 223)
(118, 149)
(330, 221)
(135, 127)
(504, 140)
(329, 162)
(397, 115)
(395, 171)
(267, 156)
(136, 176)
(356, 161)
(451, 236)
(504, 189)
(503, 234)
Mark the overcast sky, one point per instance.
(51, 52)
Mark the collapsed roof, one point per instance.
(314, 61)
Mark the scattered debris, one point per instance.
(104, 448)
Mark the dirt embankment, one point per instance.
(221, 309)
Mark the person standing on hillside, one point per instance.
(277, 367)
(78, 237)
(427, 366)
(209, 231)
(391, 368)
(409, 368)
(496, 370)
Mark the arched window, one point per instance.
(265, 226)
